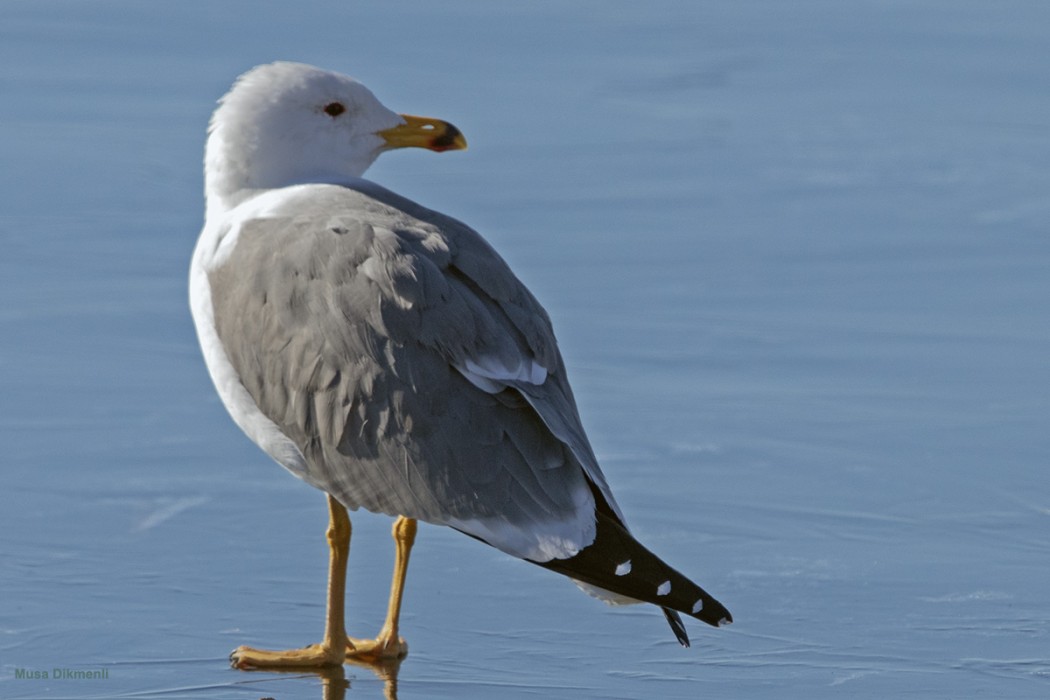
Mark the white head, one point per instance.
(285, 123)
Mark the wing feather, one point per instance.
(348, 316)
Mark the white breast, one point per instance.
(214, 248)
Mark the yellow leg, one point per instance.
(332, 649)
(387, 644)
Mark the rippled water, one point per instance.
(798, 260)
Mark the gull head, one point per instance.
(284, 124)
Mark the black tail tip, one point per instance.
(714, 613)
(677, 626)
(716, 618)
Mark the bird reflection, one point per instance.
(385, 670)
(334, 682)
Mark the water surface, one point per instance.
(797, 258)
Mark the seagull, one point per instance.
(385, 354)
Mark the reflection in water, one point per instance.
(334, 683)
(385, 670)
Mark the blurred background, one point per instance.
(797, 257)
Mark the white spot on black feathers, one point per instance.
(603, 565)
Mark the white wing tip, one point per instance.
(490, 374)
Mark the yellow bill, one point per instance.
(424, 132)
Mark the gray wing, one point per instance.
(346, 320)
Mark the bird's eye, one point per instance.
(334, 109)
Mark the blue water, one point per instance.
(798, 259)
